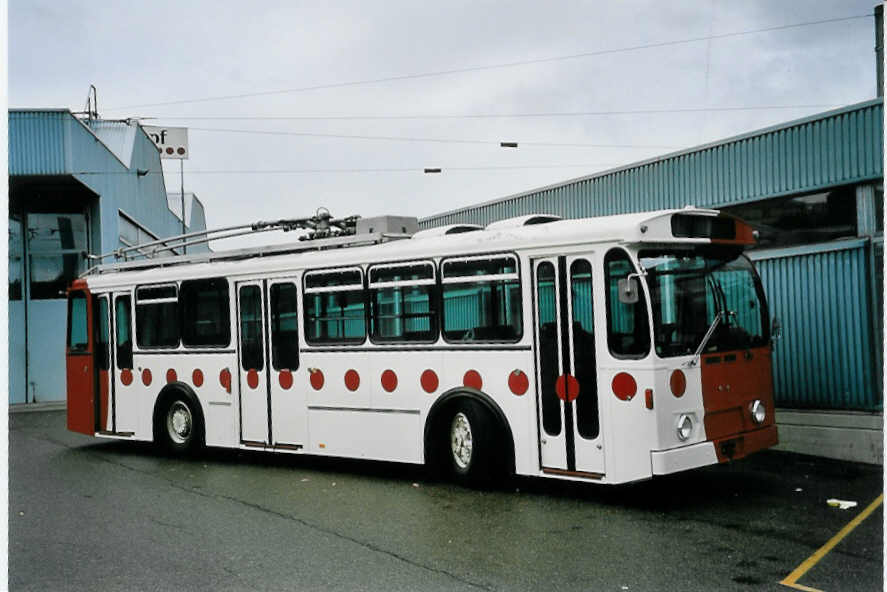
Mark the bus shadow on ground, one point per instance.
(766, 475)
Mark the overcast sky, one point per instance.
(141, 54)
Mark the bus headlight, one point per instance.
(758, 411)
(684, 427)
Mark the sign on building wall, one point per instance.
(172, 142)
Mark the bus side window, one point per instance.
(206, 317)
(123, 325)
(335, 307)
(628, 331)
(403, 306)
(78, 331)
(157, 316)
(481, 300)
(284, 327)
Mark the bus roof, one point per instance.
(643, 227)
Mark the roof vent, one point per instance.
(523, 221)
(447, 230)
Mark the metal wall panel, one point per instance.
(37, 141)
(834, 148)
(825, 358)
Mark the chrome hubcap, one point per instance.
(178, 422)
(460, 440)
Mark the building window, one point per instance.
(403, 303)
(16, 261)
(56, 244)
(481, 299)
(335, 307)
(801, 219)
(133, 234)
(206, 317)
(157, 317)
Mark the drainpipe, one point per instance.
(879, 47)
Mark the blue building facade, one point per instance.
(813, 188)
(77, 188)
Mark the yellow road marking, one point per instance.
(792, 578)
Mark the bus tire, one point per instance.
(178, 423)
(470, 444)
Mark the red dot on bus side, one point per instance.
(197, 377)
(169, 150)
(126, 376)
(429, 381)
(518, 382)
(352, 380)
(389, 380)
(316, 379)
(171, 376)
(624, 386)
(473, 380)
(252, 378)
(225, 379)
(285, 378)
(146, 377)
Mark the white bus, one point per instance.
(606, 349)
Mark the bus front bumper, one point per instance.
(709, 453)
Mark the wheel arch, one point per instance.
(437, 413)
(166, 395)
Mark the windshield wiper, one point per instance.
(721, 302)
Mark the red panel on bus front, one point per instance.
(731, 381)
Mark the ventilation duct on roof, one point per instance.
(523, 221)
(447, 230)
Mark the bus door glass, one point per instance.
(104, 402)
(125, 402)
(566, 368)
(252, 367)
(289, 417)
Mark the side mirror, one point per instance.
(775, 329)
(629, 290)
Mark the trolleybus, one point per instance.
(608, 349)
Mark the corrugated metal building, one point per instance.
(76, 187)
(813, 188)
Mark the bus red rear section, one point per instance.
(80, 362)
(731, 382)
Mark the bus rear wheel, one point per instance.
(470, 447)
(179, 427)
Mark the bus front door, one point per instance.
(252, 367)
(566, 369)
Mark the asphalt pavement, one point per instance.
(88, 514)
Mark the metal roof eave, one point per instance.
(661, 158)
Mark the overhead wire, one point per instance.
(420, 169)
(480, 68)
(417, 139)
(486, 115)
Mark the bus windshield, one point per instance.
(689, 288)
